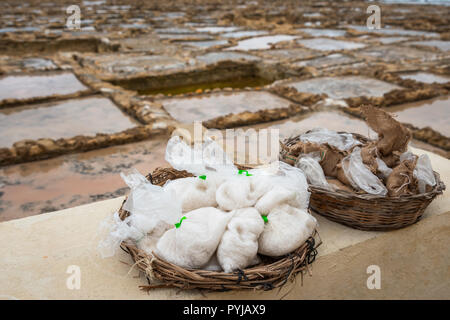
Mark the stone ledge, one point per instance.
(414, 261)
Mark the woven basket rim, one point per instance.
(270, 274)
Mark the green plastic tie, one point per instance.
(177, 225)
(246, 173)
(202, 177)
(265, 219)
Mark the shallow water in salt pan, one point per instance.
(72, 180)
(323, 32)
(441, 45)
(324, 44)
(43, 85)
(327, 61)
(63, 119)
(190, 109)
(344, 87)
(431, 113)
(425, 77)
(261, 43)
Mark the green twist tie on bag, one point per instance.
(177, 225)
(247, 174)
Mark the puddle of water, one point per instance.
(204, 44)
(261, 43)
(124, 64)
(17, 65)
(188, 110)
(241, 34)
(17, 30)
(393, 31)
(173, 30)
(394, 53)
(325, 44)
(431, 113)
(72, 180)
(38, 64)
(187, 37)
(441, 45)
(323, 32)
(425, 77)
(389, 40)
(234, 83)
(135, 26)
(215, 57)
(327, 61)
(344, 87)
(297, 53)
(63, 119)
(217, 29)
(312, 15)
(33, 86)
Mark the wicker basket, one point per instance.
(271, 273)
(366, 211)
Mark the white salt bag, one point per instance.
(193, 243)
(293, 178)
(235, 193)
(277, 196)
(239, 244)
(193, 192)
(286, 230)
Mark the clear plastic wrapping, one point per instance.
(424, 174)
(360, 176)
(342, 141)
(312, 169)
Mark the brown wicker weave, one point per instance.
(366, 211)
(270, 274)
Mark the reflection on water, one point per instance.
(431, 113)
(32, 86)
(62, 119)
(440, 44)
(261, 43)
(325, 44)
(235, 83)
(241, 34)
(215, 57)
(190, 109)
(425, 77)
(204, 44)
(67, 181)
(323, 32)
